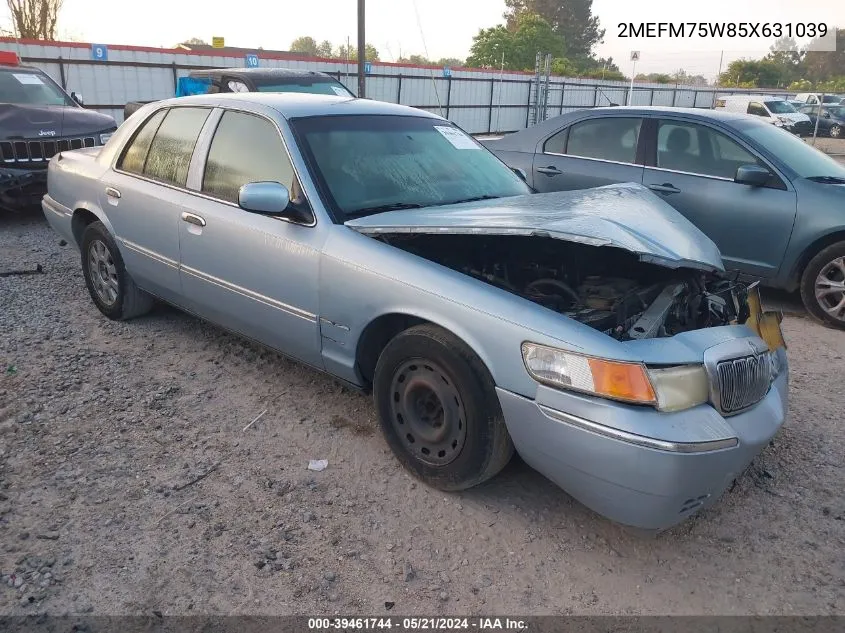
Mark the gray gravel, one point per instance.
(106, 427)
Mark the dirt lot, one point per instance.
(129, 485)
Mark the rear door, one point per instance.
(145, 193)
(692, 166)
(590, 153)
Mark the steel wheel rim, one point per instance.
(427, 412)
(830, 288)
(835, 131)
(102, 272)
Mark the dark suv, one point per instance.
(37, 120)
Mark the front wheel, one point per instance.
(836, 131)
(438, 409)
(823, 286)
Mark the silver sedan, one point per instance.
(593, 332)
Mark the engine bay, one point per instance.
(606, 288)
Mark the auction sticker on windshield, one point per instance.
(28, 79)
(456, 137)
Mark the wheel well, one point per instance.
(812, 250)
(81, 219)
(375, 338)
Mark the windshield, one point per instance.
(804, 160)
(780, 107)
(30, 87)
(366, 164)
(836, 111)
(831, 99)
(319, 86)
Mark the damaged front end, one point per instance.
(606, 288)
(22, 189)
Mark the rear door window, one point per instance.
(135, 154)
(612, 138)
(173, 146)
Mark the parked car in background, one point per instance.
(778, 112)
(832, 119)
(37, 119)
(594, 332)
(221, 80)
(774, 205)
(809, 98)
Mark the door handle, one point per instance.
(111, 192)
(192, 218)
(551, 170)
(666, 187)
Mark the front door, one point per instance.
(251, 273)
(694, 169)
(589, 153)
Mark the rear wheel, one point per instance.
(438, 409)
(836, 131)
(823, 286)
(111, 287)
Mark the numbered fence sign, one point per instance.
(252, 61)
(99, 52)
(447, 72)
(368, 67)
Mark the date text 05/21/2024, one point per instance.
(416, 624)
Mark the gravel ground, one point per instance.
(129, 485)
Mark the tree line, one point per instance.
(787, 66)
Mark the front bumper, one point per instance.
(22, 189)
(635, 465)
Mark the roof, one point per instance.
(269, 73)
(293, 105)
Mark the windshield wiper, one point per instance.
(396, 206)
(828, 180)
(474, 199)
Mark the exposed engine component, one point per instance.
(585, 283)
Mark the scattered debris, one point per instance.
(197, 478)
(318, 464)
(255, 419)
(389, 605)
(10, 273)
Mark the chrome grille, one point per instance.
(41, 150)
(743, 381)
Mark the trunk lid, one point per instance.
(626, 216)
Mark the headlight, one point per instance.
(104, 137)
(680, 388)
(670, 389)
(784, 121)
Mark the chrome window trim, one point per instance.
(638, 440)
(599, 160)
(689, 173)
(250, 294)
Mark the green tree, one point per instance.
(306, 45)
(824, 65)
(752, 73)
(451, 62)
(370, 53)
(655, 78)
(572, 20)
(194, 41)
(324, 49)
(419, 60)
(531, 34)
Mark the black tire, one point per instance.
(128, 300)
(819, 308)
(426, 367)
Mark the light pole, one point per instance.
(362, 52)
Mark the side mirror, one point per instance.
(752, 175)
(270, 198)
(826, 114)
(521, 173)
(77, 97)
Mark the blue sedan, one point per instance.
(773, 205)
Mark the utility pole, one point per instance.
(362, 52)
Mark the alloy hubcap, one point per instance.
(102, 272)
(835, 131)
(427, 412)
(830, 288)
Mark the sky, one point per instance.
(436, 28)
